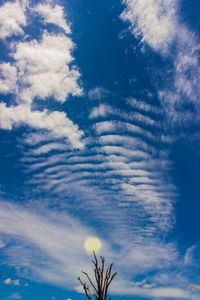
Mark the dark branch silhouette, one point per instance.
(98, 289)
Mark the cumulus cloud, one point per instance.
(41, 68)
(8, 77)
(55, 121)
(53, 14)
(12, 19)
(44, 70)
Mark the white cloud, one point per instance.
(45, 162)
(49, 245)
(40, 69)
(116, 162)
(53, 14)
(170, 292)
(58, 238)
(44, 69)
(100, 111)
(131, 142)
(12, 19)
(38, 138)
(104, 110)
(185, 88)
(10, 281)
(8, 78)
(187, 79)
(97, 93)
(192, 256)
(124, 152)
(125, 127)
(153, 20)
(44, 149)
(195, 287)
(143, 106)
(130, 288)
(55, 121)
(167, 30)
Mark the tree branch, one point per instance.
(92, 284)
(103, 279)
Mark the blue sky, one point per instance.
(99, 131)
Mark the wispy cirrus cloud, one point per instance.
(29, 230)
(170, 36)
(47, 246)
(161, 14)
(158, 24)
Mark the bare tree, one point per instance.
(98, 288)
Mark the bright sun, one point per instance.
(92, 244)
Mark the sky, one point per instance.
(99, 137)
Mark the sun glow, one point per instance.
(92, 244)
